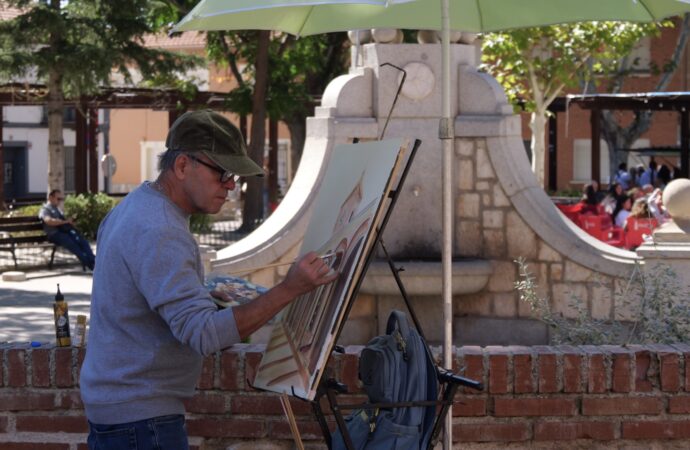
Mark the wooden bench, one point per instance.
(24, 232)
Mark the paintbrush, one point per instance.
(268, 266)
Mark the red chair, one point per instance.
(570, 211)
(601, 227)
(635, 229)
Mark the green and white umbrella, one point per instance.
(308, 17)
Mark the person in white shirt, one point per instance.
(622, 211)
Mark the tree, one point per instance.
(619, 136)
(74, 47)
(296, 72)
(538, 64)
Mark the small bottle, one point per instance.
(80, 331)
(61, 320)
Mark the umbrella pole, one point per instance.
(447, 134)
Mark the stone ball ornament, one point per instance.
(434, 37)
(359, 36)
(676, 198)
(387, 35)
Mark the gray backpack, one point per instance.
(394, 368)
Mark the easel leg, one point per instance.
(287, 409)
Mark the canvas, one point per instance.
(350, 204)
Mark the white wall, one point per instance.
(37, 143)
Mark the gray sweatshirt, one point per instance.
(151, 317)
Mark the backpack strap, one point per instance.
(399, 318)
(399, 328)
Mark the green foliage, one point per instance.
(28, 210)
(658, 304)
(299, 68)
(88, 210)
(537, 64)
(663, 312)
(83, 41)
(200, 223)
(576, 193)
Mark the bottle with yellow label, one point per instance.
(61, 320)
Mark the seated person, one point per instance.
(622, 211)
(609, 202)
(623, 177)
(590, 200)
(656, 206)
(639, 210)
(60, 231)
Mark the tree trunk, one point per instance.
(298, 134)
(538, 126)
(55, 106)
(253, 210)
(56, 155)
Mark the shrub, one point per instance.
(661, 312)
(88, 210)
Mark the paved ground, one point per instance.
(26, 307)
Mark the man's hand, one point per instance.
(307, 273)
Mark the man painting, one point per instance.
(152, 320)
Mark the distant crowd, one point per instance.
(634, 193)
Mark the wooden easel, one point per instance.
(330, 388)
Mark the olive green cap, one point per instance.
(216, 137)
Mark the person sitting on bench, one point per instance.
(61, 231)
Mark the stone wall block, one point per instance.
(478, 304)
(575, 272)
(546, 253)
(464, 147)
(482, 186)
(494, 244)
(500, 198)
(522, 242)
(363, 307)
(484, 168)
(468, 238)
(626, 302)
(505, 304)
(602, 302)
(567, 296)
(264, 277)
(492, 219)
(503, 277)
(465, 175)
(557, 272)
(468, 206)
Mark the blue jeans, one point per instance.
(158, 433)
(73, 241)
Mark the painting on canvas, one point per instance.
(349, 205)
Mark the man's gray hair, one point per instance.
(166, 160)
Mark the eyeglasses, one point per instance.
(225, 176)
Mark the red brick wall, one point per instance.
(535, 396)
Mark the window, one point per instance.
(69, 115)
